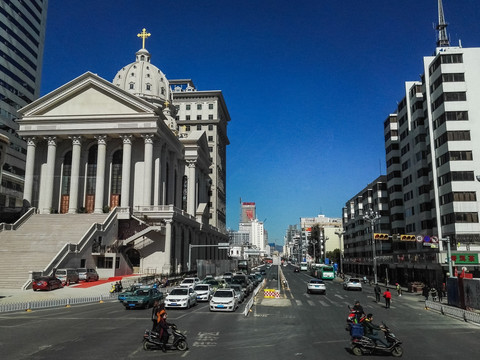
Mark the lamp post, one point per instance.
(340, 234)
(372, 217)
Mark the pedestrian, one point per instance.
(440, 294)
(425, 292)
(378, 291)
(399, 289)
(433, 293)
(388, 298)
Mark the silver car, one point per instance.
(353, 284)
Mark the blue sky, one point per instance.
(308, 83)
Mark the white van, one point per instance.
(67, 276)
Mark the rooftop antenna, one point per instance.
(442, 28)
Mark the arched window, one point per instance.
(132, 86)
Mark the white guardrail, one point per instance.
(51, 303)
(468, 316)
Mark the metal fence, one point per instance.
(51, 303)
(468, 316)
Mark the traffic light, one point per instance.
(377, 236)
(407, 237)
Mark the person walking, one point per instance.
(388, 298)
(399, 289)
(425, 292)
(440, 294)
(378, 291)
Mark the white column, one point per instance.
(168, 246)
(126, 169)
(75, 176)
(191, 195)
(29, 170)
(50, 175)
(147, 170)
(100, 178)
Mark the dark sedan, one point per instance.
(47, 283)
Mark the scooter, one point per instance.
(152, 341)
(364, 345)
(354, 317)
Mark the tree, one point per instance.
(316, 234)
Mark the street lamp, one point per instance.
(340, 247)
(372, 217)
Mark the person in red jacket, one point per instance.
(388, 298)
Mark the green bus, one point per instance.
(327, 272)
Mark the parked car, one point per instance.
(204, 292)
(239, 292)
(352, 284)
(224, 300)
(316, 286)
(86, 274)
(46, 283)
(142, 298)
(67, 276)
(181, 297)
(190, 282)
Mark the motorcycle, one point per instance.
(364, 345)
(354, 317)
(152, 341)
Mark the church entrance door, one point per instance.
(64, 204)
(90, 203)
(114, 200)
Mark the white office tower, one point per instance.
(22, 35)
(433, 155)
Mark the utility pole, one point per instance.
(340, 247)
(372, 217)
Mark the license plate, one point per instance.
(131, 305)
(173, 304)
(220, 306)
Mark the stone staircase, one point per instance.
(36, 242)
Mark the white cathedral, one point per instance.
(146, 155)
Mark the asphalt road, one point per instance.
(296, 326)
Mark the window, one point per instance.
(132, 86)
(452, 77)
(210, 106)
(187, 107)
(199, 106)
(460, 217)
(210, 138)
(450, 116)
(199, 117)
(456, 176)
(148, 86)
(445, 59)
(199, 127)
(187, 117)
(210, 117)
(210, 127)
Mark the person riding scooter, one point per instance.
(371, 331)
(162, 329)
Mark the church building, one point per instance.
(146, 153)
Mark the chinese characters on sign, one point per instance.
(465, 258)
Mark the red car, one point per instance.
(47, 283)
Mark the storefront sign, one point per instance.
(465, 258)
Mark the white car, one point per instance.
(189, 282)
(224, 300)
(204, 292)
(316, 286)
(353, 284)
(181, 297)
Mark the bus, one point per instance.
(327, 272)
(303, 266)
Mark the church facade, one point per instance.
(94, 146)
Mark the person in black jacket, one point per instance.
(162, 329)
(371, 331)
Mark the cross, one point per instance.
(143, 35)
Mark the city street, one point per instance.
(300, 326)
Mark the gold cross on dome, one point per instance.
(143, 35)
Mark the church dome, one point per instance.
(143, 79)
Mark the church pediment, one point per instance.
(87, 95)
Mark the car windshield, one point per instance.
(179, 292)
(187, 281)
(316, 282)
(201, 287)
(82, 270)
(354, 280)
(141, 292)
(211, 282)
(224, 294)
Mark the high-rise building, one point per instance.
(22, 37)
(248, 212)
(206, 110)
